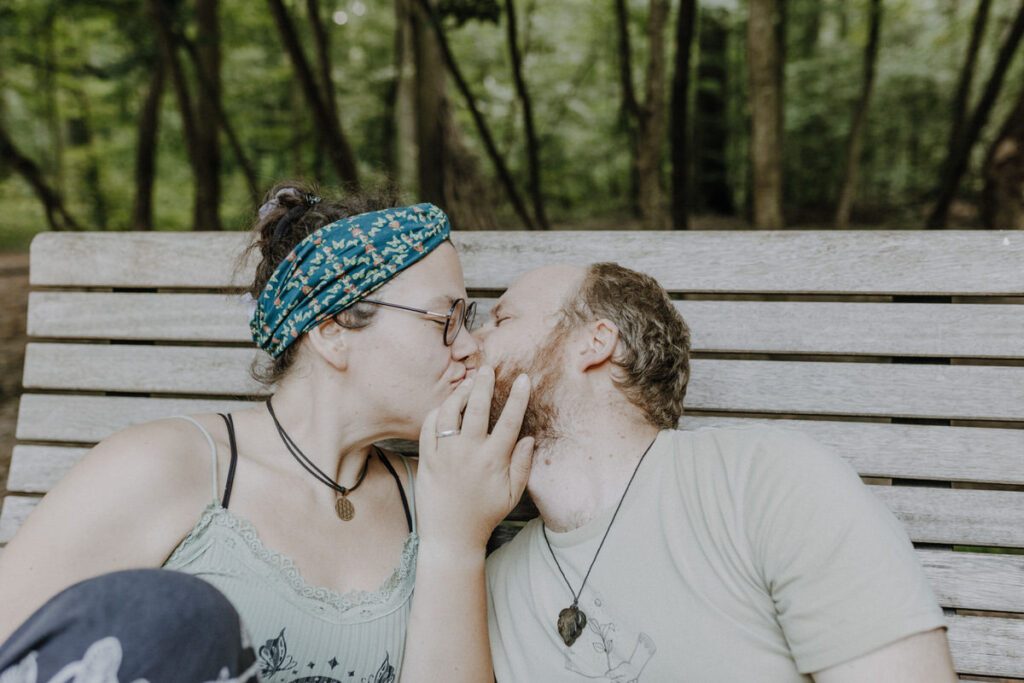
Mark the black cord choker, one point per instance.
(343, 506)
(572, 620)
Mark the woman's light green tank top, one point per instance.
(300, 633)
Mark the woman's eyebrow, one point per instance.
(496, 311)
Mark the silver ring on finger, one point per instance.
(447, 432)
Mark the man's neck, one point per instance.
(585, 470)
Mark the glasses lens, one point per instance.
(471, 316)
(456, 316)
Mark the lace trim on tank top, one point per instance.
(284, 567)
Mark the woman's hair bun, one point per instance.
(286, 197)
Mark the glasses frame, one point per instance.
(466, 320)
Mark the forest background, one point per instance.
(515, 114)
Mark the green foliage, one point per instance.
(73, 74)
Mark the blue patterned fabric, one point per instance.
(339, 264)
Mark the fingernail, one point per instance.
(522, 379)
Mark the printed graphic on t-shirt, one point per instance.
(604, 652)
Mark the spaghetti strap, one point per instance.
(401, 489)
(412, 488)
(230, 422)
(213, 449)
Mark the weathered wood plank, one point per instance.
(964, 330)
(893, 262)
(873, 389)
(938, 330)
(37, 469)
(89, 419)
(869, 389)
(15, 511)
(957, 516)
(899, 451)
(874, 449)
(977, 581)
(164, 317)
(155, 369)
(987, 646)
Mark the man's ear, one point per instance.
(329, 341)
(599, 343)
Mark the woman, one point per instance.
(314, 535)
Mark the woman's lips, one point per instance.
(468, 374)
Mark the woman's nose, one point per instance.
(465, 344)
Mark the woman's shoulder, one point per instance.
(171, 453)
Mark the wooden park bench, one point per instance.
(904, 351)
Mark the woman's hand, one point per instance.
(469, 482)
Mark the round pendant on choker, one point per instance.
(345, 509)
(342, 505)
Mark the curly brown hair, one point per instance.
(653, 358)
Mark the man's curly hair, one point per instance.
(653, 358)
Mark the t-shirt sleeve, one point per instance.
(841, 570)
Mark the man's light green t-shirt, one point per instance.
(740, 554)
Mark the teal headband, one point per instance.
(339, 264)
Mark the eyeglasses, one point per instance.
(460, 315)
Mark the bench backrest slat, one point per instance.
(845, 262)
(875, 329)
(867, 389)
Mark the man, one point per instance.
(744, 554)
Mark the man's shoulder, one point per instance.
(761, 452)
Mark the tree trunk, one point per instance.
(430, 108)
(162, 19)
(323, 57)
(401, 103)
(808, 25)
(848, 186)
(629, 112)
(959, 155)
(680, 134)
(764, 64)
(481, 124)
(338, 149)
(652, 121)
(447, 175)
(206, 215)
(1002, 204)
(962, 97)
(57, 216)
(711, 120)
(146, 148)
(92, 174)
(532, 153)
(213, 96)
(48, 78)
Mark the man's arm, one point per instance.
(920, 658)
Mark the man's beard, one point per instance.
(546, 371)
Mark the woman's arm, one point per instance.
(465, 486)
(127, 504)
